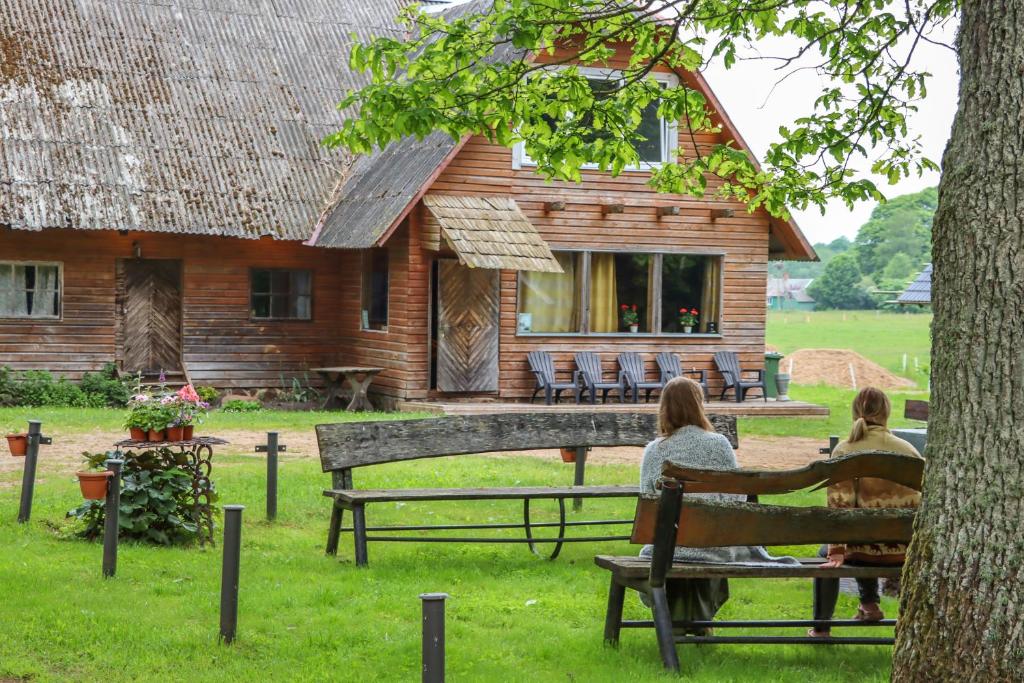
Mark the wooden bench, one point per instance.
(671, 520)
(344, 447)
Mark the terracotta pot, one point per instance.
(94, 484)
(137, 433)
(18, 443)
(568, 455)
(189, 432)
(155, 435)
(175, 433)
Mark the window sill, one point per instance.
(280, 320)
(30, 318)
(644, 167)
(370, 329)
(625, 335)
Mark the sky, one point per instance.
(745, 92)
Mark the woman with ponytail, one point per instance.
(870, 433)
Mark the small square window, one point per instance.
(280, 294)
(30, 290)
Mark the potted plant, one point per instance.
(137, 422)
(18, 443)
(191, 410)
(630, 317)
(688, 318)
(94, 483)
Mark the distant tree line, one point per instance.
(888, 252)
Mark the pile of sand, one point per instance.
(833, 367)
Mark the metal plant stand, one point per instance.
(194, 456)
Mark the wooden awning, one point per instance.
(486, 232)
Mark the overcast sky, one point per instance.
(744, 93)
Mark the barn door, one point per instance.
(150, 332)
(467, 328)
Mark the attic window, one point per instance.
(30, 290)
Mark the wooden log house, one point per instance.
(165, 204)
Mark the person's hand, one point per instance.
(834, 561)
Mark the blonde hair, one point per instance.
(681, 405)
(870, 407)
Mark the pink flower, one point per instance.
(188, 393)
(140, 398)
(166, 400)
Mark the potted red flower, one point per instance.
(18, 443)
(688, 318)
(630, 317)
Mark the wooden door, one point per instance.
(468, 303)
(150, 331)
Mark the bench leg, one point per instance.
(663, 627)
(613, 618)
(359, 534)
(581, 467)
(334, 531)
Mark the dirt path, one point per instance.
(64, 456)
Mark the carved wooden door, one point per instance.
(468, 301)
(151, 315)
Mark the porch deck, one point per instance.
(481, 406)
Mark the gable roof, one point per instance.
(920, 290)
(188, 117)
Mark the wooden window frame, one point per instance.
(312, 289)
(669, 129)
(657, 254)
(60, 290)
(363, 261)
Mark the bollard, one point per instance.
(112, 518)
(833, 441)
(433, 637)
(229, 572)
(28, 478)
(271, 449)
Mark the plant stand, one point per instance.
(194, 456)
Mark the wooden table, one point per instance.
(358, 378)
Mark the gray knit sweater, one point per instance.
(694, 447)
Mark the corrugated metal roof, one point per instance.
(491, 232)
(920, 290)
(196, 116)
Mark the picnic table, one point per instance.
(194, 456)
(358, 378)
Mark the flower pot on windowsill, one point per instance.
(18, 443)
(137, 433)
(568, 454)
(687, 329)
(175, 433)
(156, 436)
(94, 484)
(633, 329)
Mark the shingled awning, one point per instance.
(488, 232)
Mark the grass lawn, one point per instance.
(304, 616)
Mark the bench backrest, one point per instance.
(669, 365)
(589, 364)
(633, 365)
(728, 364)
(701, 524)
(356, 444)
(542, 366)
(916, 410)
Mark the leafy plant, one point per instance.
(298, 391)
(156, 499)
(629, 313)
(208, 394)
(239, 406)
(115, 391)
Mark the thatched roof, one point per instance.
(489, 232)
(201, 118)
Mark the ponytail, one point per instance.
(870, 407)
(860, 428)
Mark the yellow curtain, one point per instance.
(604, 301)
(552, 299)
(709, 301)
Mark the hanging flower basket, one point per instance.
(94, 484)
(18, 443)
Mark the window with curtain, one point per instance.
(375, 290)
(281, 294)
(29, 290)
(550, 302)
(656, 286)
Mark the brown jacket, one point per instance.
(873, 493)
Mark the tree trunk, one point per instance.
(962, 612)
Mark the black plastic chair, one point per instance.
(543, 369)
(592, 374)
(670, 367)
(729, 365)
(632, 366)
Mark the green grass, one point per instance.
(303, 616)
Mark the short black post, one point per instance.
(581, 468)
(433, 637)
(112, 518)
(229, 572)
(28, 478)
(271, 449)
(833, 441)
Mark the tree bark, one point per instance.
(962, 611)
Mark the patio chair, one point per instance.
(543, 369)
(670, 367)
(729, 365)
(632, 366)
(592, 374)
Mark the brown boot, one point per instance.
(869, 612)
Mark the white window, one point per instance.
(29, 290)
(662, 136)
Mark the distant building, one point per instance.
(918, 292)
(789, 294)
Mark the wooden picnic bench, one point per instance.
(671, 520)
(344, 447)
